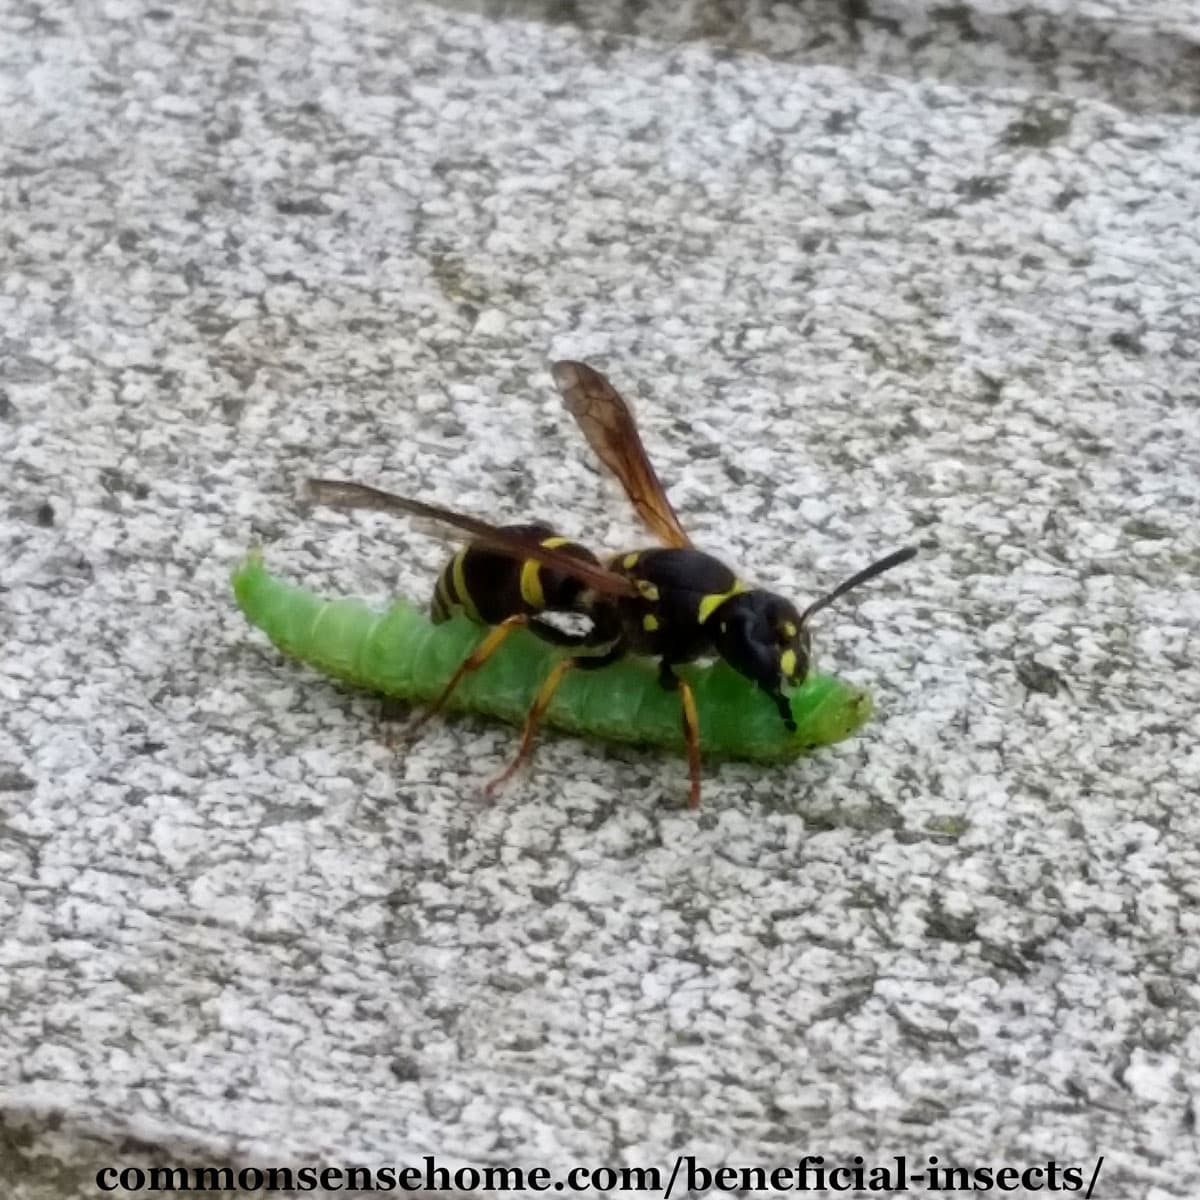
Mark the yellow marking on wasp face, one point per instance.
(710, 603)
(531, 584)
(460, 586)
(649, 622)
(647, 591)
(787, 663)
(630, 561)
(553, 543)
(789, 630)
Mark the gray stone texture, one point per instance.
(872, 273)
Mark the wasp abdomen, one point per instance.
(490, 587)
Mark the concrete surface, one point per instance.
(871, 273)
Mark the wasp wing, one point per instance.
(520, 546)
(608, 425)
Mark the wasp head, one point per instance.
(763, 637)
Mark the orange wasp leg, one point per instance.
(490, 644)
(691, 734)
(537, 710)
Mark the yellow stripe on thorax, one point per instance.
(710, 603)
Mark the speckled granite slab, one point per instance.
(872, 273)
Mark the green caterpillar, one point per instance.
(401, 654)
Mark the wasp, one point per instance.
(673, 602)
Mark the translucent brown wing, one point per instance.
(611, 431)
(517, 545)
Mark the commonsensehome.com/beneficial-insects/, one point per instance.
(685, 1177)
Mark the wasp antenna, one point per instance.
(321, 491)
(343, 494)
(876, 568)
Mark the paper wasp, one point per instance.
(673, 603)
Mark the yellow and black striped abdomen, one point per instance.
(491, 587)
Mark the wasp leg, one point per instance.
(536, 711)
(486, 648)
(691, 734)
(541, 702)
(691, 726)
